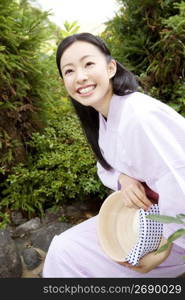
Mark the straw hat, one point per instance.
(125, 234)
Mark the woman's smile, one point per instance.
(86, 90)
(87, 75)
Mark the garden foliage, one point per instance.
(24, 78)
(60, 168)
(44, 158)
(148, 37)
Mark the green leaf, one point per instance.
(181, 216)
(165, 219)
(163, 248)
(177, 234)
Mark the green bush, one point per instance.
(60, 168)
(148, 37)
(28, 77)
(45, 160)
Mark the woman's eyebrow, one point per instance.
(82, 58)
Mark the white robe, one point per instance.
(145, 139)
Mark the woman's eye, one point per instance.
(68, 71)
(89, 63)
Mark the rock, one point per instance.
(10, 229)
(82, 206)
(36, 272)
(42, 237)
(52, 216)
(23, 246)
(10, 262)
(31, 258)
(73, 211)
(25, 228)
(22, 243)
(17, 218)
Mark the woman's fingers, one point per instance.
(140, 193)
(136, 201)
(127, 201)
(135, 198)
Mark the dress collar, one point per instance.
(113, 114)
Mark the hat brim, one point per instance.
(117, 227)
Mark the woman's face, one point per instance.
(87, 73)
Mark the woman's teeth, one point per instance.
(86, 90)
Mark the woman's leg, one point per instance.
(77, 253)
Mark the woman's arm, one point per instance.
(133, 191)
(109, 178)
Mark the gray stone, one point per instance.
(10, 261)
(31, 258)
(22, 243)
(52, 216)
(27, 227)
(73, 211)
(17, 218)
(80, 205)
(42, 237)
(23, 248)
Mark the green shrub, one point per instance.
(28, 77)
(60, 168)
(148, 37)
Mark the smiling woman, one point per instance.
(82, 74)
(139, 144)
(116, 79)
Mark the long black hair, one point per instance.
(123, 83)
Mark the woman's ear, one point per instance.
(112, 68)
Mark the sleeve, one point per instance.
(109, 177)
(156, 148)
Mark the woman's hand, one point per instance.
(151, 260)
(133, 193)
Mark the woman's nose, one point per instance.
(81, 76)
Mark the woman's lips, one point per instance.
(85, 90)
